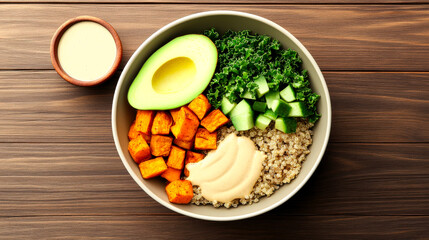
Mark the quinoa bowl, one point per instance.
(123, 113)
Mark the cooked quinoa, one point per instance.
(285, 154)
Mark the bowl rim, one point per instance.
(59, 34)
(205, 14)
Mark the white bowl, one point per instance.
(123, 114)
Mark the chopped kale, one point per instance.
(243, 57)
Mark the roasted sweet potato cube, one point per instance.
(138, 148)
(184, 144)
(205, 140)
(186, 125)
(162, 123)
(146, 137)
(176, 158)
(214, 120)
(152, 168)
(133, 133)
(171, 174)
(200, 106)
(180, 191)
(174, 113)
(160, 145)
(144, 119)
(192, 157)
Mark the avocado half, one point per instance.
(175, 74)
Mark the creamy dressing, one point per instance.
(86, 51)
(230, 171)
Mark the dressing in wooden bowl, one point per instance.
(86, 51)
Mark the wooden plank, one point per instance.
(379, 107)
(340, 37)
(226, 1)
(367, 107)
(180, 227)
(72, 179)
(41, 106)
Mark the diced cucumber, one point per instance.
(248, 95)
(259, 106)
(298, 109)
(243, 107)
(243, 122)
(242, 116)
(226, 106)
(271, 96)
(270, 114)
(286, 125)
(262, 122)
(262, 86)
(281, 108)
(288, 94)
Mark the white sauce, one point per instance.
(86, 51)
(230, 171)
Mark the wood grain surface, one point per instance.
(61, 177)
(127, 227)
(340, 37)
(247, 2)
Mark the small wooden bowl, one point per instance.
(54, 50)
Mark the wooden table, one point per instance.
(61, 177)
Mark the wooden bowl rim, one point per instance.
(54, 50)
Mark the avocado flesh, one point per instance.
(175, 74)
